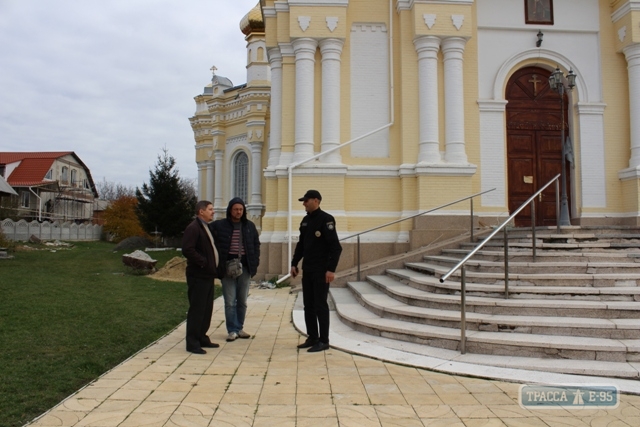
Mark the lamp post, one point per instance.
(557, 84)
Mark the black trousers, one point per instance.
(316, 308)
(200, 294)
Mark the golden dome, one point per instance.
(252, 21)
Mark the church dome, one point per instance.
(252, 21)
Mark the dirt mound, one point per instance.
(136, 242)
(173, 270)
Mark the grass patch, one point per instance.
(68, 316)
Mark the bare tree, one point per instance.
(109, 190)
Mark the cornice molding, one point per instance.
(343, 3)
(409, 4)
(621, 12)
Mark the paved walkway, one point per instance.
(266, 381)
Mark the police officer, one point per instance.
(320, 250)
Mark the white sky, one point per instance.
(113, 80)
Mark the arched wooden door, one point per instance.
(534, 146)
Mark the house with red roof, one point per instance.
(49, 185)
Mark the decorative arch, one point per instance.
(523, 59)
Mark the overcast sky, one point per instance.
(113, 80)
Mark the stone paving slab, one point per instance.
(266, 381)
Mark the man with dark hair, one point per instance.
(238, 244)
(318, 245)
(202, 260)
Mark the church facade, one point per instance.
(394, 107)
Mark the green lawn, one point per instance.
(66, 317)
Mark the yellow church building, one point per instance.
(393, 107)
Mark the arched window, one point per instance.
(73, 177)
(241, 176)
(65, 175)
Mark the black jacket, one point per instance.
(318, 245)
(222, 231)
(196, 247)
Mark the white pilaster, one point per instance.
(256, 161)
(592, 154)
(218, 203)
(632, 54)
(210, 180)
(305, 51)
(202, 167)
(275, 139)
(331, 50)
(453, 50)
(427, 48)
(492, 152)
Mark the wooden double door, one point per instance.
(534, 144)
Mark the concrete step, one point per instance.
(429, 283)
(525, 255)
(514, 344)
(385, 299)
(539, 266)
(502, 306)
(540, 244)
(542, 279)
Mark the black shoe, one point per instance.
(210, 345)
(197, 351)
(310, 342)
(319, 346)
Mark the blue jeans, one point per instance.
(235, 293)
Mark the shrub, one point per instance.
(120, 219)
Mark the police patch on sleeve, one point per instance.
(330, 225)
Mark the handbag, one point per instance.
(234, 268)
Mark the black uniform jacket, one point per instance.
(318, 245)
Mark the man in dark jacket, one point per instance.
(202, 260)
(236, 240)
(319, 247)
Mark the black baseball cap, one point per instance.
(311, 194)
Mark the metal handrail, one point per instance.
(502, 226)
(357, 235)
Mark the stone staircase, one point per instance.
(577, 304)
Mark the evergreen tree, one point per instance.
(166, 204)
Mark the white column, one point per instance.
(210, 180)
(632, 53)
(331, 50)
(275, 139)
(453, 49)
(305, 51)
(201, 180)
(427, 48)
(218, 203)
(256, 160)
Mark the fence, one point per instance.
(70, 231)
